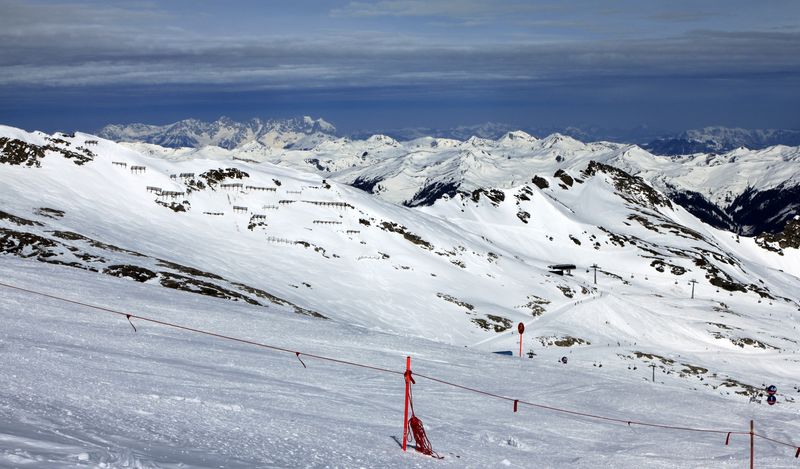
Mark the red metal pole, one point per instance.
(752, 445)
(520, 345)
(405, 413)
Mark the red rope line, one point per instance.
(790, 445)
(209, 333)
(385, 370)
(581, 414)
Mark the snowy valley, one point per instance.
(372, 250)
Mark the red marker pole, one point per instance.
(405, 413)
(752, 446)
(521, 329)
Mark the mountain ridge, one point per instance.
(225, 132)
(721, 140)
(726, 190)
(711, 139)
(220, 242)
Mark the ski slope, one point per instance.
(289, 258)
(83, 389)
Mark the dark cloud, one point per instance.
(680, 16)
(458, 9)
(108, 58)
(520, 50)
(82, 45)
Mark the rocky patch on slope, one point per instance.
(78, 251)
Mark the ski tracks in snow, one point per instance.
(550, 316)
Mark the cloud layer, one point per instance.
(84, 45)
(453, 45)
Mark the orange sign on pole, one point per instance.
(521, 329)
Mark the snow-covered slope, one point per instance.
(81, 389)
(719, 180)
(266, 251)
(745, 191)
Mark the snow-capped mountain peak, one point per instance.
(560, 141)
(517, 136)
(381, 139)
(304, 132)
(319, 125)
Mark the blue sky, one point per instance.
(670, 65)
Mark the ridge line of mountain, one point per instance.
(228, 133)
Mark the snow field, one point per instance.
(85, 389)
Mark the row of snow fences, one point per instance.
(273, 239)
(328, 204)
(231, 186)
(413, 429)
(326, 222)
(158, 190)
(313, 202)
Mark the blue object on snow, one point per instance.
(504, 352)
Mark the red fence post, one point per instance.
(405, 413)
(752, 445)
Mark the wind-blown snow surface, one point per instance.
(444, 284)
(81, 388)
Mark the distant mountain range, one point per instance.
(495, 130)
(225, 133)
(306, 132)
(746, 191)
(705, 140)
(720, 140)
